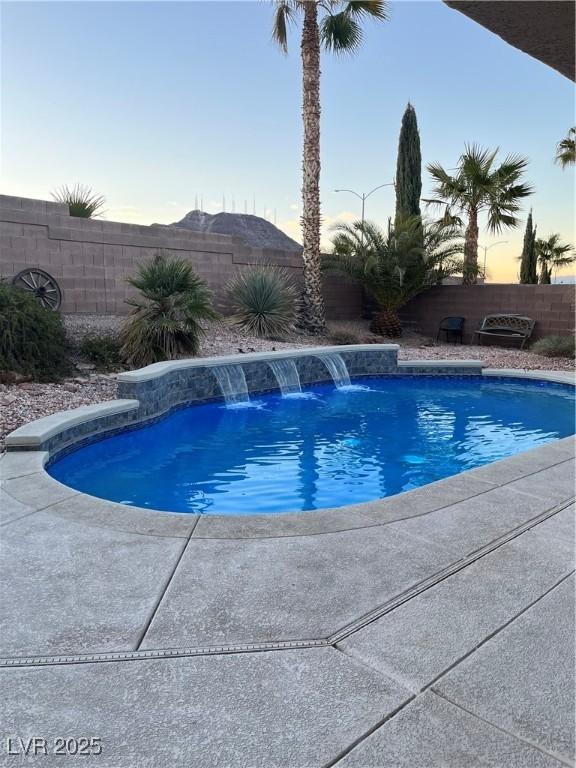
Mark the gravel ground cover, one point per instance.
(27, 401)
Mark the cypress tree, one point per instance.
(528, 271)
(408, 167)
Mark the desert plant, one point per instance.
(81, 201)
(396, 264)
(552, 254)
(263, 299)
(566, 149)
(165, 321)
(528, 258)
(480, 185)
(408, 182)
(555, 346)
(338, 30)
(32, 338)
(342, 336)
(102, 349)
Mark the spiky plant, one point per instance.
(81, 201)
(566, 149)
(480, 184)
(165, 321)
(263, 299)
(396, 264)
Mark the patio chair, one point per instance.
(453, 327)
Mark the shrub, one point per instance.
(264, 301)
(165, 319)
(342, 336)
(103, 350)
(555, 346)
(81, 201)
(32, 338)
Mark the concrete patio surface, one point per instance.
(435, 628)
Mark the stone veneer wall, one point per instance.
(91, 259)
(552, 306)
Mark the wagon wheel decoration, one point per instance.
(45, 289)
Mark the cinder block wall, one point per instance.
(91, 259)
(552, 306)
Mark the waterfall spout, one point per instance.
(337, 368)
(232, 383)
(287, 376)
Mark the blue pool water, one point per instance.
(327, 449)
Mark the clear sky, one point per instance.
(155, 103)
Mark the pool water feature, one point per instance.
(232, 382)
(335, 449)
(337, 369)
(287, 375)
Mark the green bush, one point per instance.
(263, 299)
(102, 349)
(165, 322)
(32, 338)
(555, 346)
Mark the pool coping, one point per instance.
(24, 477)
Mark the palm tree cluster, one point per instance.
(396, 264)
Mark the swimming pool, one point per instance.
(325, 447)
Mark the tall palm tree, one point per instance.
(396, 264)
(479, 184)
(338, 30)
(566, 149)
(552, 254)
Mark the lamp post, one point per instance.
(487, 248)
(365, 195)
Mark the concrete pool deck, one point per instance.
(435, 628)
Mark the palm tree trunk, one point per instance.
(471, 249)
(313, 311)
(386, 323)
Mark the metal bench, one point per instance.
(513, 327)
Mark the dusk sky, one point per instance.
(155, 103)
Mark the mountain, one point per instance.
(253, 230)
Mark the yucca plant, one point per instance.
(263, 299)
(81, 201)
(165, 321)
(395, 264)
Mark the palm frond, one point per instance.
(284, 14)
(376, 9)
(340, 33)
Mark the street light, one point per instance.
(365, 195)
(487, 248)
